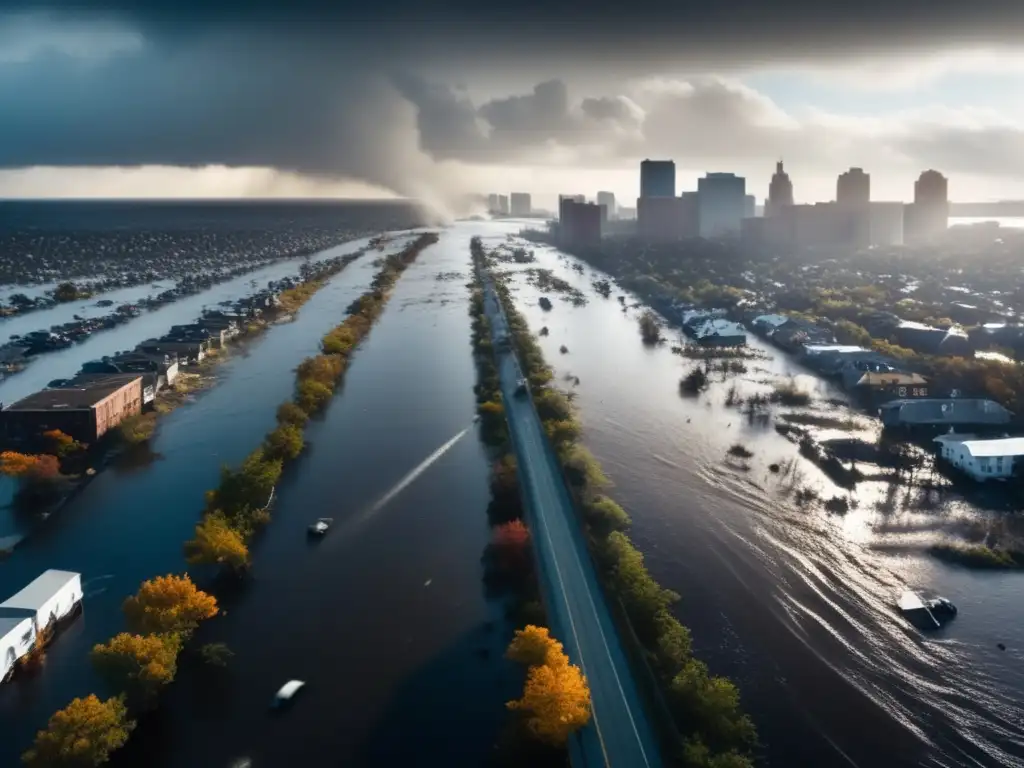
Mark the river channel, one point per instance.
(129, 523)
(795, 604)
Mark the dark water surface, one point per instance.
(129, 523)
(385, 617)
(795, 604)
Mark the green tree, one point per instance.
(284, 443)
(311, 396)
(247, 487)
(81, 735)
(139, 665)
(289, 413)
(66, 292)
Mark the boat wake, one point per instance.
(352, 524)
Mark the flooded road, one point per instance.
(130, 522)
(794, 603)
(385, 617)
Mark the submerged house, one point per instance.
(982, 459)
(925, 412)
(719, 332)
(33, 611)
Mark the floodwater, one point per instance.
(66, 362)
(793, 603)
(130, 522)
(385, 617)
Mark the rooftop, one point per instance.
(75, 398)
(1002, 446)
(881, 379)
(39, 591)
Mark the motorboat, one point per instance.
(931, 613)
(287, 693)
(321, 526)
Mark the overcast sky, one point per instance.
(127, 98)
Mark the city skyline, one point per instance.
(200, 101)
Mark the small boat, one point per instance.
(320, 527)
(926, 614)
(476, 418)
(287, 692)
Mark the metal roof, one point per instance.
(35, 595)
(80, 398)
(1003, 446)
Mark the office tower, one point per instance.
(780, 192)
(503, 205)
(721, 202)
(928, 215)
(607, 199)
(664, 219)
(853, 188)
(749, 207)
(886, 223)
(493, 205)
(853, 201)
(579, 223)
(657, 178)
(521, 204)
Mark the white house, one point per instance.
(982, 459)
(50, 598)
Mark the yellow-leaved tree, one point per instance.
(217, 543)
(556, 697)
(168, 604)
(81, 735)
(139, 665)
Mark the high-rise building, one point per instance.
(886, 223)
(749, 207)
(853, 188)
(780, 192)
(657, 178)
(521, 204)
(579, 224)
(663, 219)
(853, 214)
(928, 215)
(493, 205)
(721, 204)
(607, 199)
(503, 205)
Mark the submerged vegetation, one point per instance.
(166, 611)
(650, 330)
(979, 556)
(700, 711)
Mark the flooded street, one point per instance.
(130, 522)
(385, 618)
(796, 604)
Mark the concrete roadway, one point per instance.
(619, 734)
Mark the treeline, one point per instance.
(711, 729)
(556, 698)
(166, 611)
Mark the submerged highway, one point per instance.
(619, 734)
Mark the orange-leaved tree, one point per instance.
(556, 697)
(139, 665)
(29, 466)
(81, 735)
(168, 604)
(510, 547)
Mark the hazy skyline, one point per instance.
(135, 99)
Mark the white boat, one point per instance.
(926, 614)
(287, 692)
(320, 527)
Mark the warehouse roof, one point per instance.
(75, 398)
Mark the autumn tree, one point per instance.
(60, 443)
(139, 665)
(556, 697)
(217, 543)
(168, 604)
(29, 466)
(509, 549)
(322, 368)
(284, 443)
(311, 396)
(531, 645)
(81, 735)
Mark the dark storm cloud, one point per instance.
(609, 30)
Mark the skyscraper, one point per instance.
(780, 192)
(503, 205)
(929, 214)
(721, 201)
(657, 178)
(749, 207)
(522, 205)
(853, 188)
(607, 199)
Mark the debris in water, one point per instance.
(427, 582)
